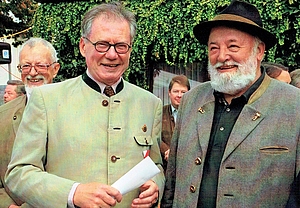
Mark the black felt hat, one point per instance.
(239, 15)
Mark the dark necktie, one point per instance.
(108, 91)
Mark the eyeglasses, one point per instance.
(103, 46)
(40, 68)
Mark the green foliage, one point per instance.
(16, 16)
(165, 32)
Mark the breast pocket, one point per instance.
(274, 150)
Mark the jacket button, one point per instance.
(192, 188)
(198, 161)
(113, 158)
(105, 103)
(15, 117)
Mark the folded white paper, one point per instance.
(137, 176)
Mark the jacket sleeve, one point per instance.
(155, 151)
(5, 199)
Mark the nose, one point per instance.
(33, 72)
(223, 55)
(111, 53)
(180, 94)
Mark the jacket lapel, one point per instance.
(248, 120)
(204, 128)
(246, 123)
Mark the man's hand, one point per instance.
(96, 195)
(13, 206)
(148, 195)
(167, 154)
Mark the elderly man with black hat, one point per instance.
(241, 129)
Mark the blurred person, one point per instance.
(277, 71)
(177, 87)
(38, 65)
(92, 129)
(295, 78)
(13, 89)
(228, 148)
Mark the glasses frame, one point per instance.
(21, 66)
(110, 45)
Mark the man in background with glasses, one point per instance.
(38, 66)
(92, 129)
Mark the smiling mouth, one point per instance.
(226, 67)
(35, 80)
(110, 65)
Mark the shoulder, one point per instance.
(201, 91)
(139, 92)
(14, 104)
(281, 90)
(59, 89)
(167, 109)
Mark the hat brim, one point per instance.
(202, 31)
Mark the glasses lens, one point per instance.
(26, 67)
(102, 47)
(41, 67)
(121, 48)
(38, 67)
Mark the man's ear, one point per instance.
(261, 51)
(82, 46)
(56, 68)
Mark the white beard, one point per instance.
(233, 82)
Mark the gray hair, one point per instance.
(32, 42)
(113, 9)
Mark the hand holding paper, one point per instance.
(137, 176)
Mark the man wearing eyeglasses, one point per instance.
(92, 129)
(38, 66)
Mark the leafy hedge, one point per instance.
(165, 32)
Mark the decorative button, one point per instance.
(15, 117)
(228, 109)
(192, 189)
(114, 158)
(105, 103)
(256, 116)
(201, 110)
(222, 128)
(144, 128)
(198, 161)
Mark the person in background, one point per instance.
(277, 71)
(13, 89)
(236, 142)
(92, 129)
(177, 87)
(295, 78)
(38, 66)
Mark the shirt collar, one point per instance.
(102, 85)
(172, 108)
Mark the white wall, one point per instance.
(10, 71)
